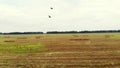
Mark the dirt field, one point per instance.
(60, 51)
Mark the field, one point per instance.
(94, 50)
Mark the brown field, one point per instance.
(60, 51)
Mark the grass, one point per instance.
(21, 48)
(116, 36)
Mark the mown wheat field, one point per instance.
(93, 50)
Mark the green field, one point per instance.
(93, 50)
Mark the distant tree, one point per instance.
(0, 32)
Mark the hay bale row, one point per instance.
(9, 41)
(79, 39)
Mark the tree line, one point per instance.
(67, 32)
(63, 32)
(21, 33)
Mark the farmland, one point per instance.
(93, 50)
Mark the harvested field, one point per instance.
(60, 51)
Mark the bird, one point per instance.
(51, 8)
(49, 16)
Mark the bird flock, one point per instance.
(50, 15)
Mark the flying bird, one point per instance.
(49, 16)
(51, 8)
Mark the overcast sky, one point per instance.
(32, 15)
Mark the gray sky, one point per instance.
(32, 15)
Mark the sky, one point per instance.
(67, 15)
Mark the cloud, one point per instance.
(32, 15)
